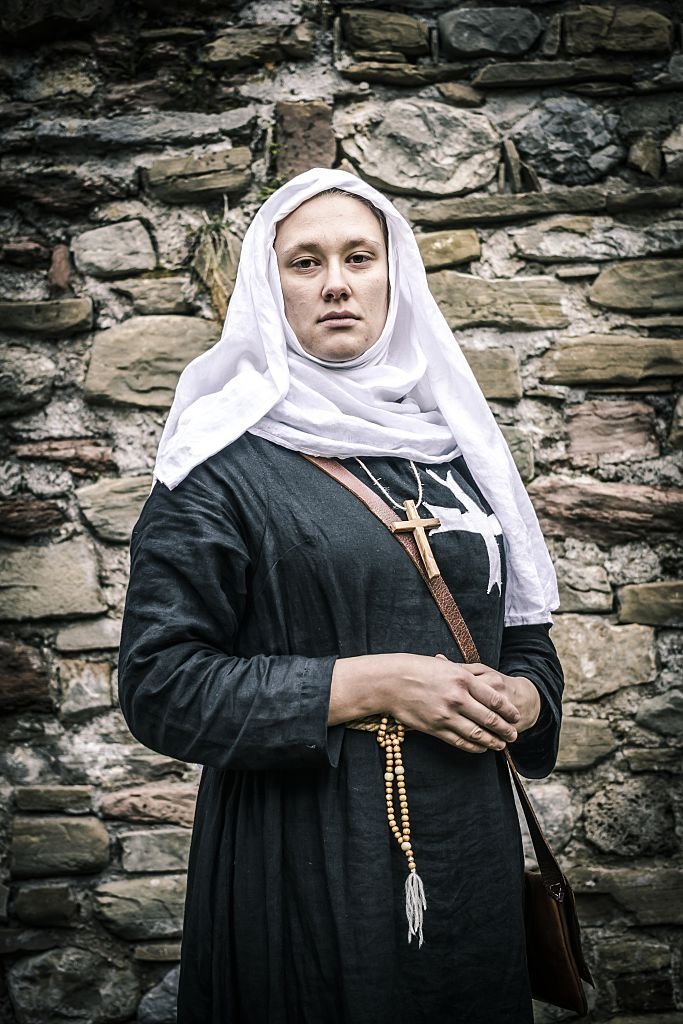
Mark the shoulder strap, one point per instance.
(551, 873)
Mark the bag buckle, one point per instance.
(556, 890)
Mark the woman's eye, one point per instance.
(359, 257)
(305, 263)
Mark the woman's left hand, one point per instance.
(518, 689)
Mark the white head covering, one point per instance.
(410, 395)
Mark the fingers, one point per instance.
(482, 717)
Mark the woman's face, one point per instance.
(335, 276)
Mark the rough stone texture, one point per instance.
(200, 177)
(551, 72)
(305, 137)
(73, 984)
(58, 846)
(98, 635)
(85, 688)
(158, 1006)
(569, 140)
(553, 806)
(676, 432)
(663, 713)
(42, 582)
(26, 380)
(600, 658)
(73, 799)
(165, 849)
(47, 904)
(583, 588)
(643, 286)
(138, 362)
(618, 29)
(522, 450)
(655, 604)
(672, 151)
(583, 742)
(152, 296)
(563, 239)
(612, 359)
(609, 512)
(82, 456)
(158, 952)
(497, 371)
(25, 680)
(467, 301)
(419, 146)
(22, 516)
(385, 30)
(241, 47)
(448, 248)
(152, 803)
(634, 819)
(400, 73)
(653, 895)
(601, 432)
(51, 318)
(112, 507)
(646, 156)
(477, 32)
(114, 250)
(459, 95)
(142, 908)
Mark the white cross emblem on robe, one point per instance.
(474, 520)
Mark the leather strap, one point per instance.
(551, 873)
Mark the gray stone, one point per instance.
(676, 432)
(526, 302)
(604, 433)
(85, 688)
(46, 905)
(114, 250)
(169, 803)
(612, 359)
(633, 819)
(448, 248)
(241, 47)
(477, 32)
(419, 146)
(26, 380)
(655, 604)
(305, 137)
(112, 507)
(535, 73)
(42, 582)
(4, 901)
(459, 95)
(25, 940)
(139, 361)
(654, 759)
(599, 657)
(401, 73)
(620, 953)
(158, 952)
(73, 984)
(51, 318)
(497, 371)
(385, 30)
(569, 140)
(25, 680)
(58, 846)
(159, 1005)
(564, 239)
(153, 296)
(583, 742)
(583, 588)
(98, 635)
(641, 286)
(645, 156)
(672, 151)
(142, 908)
(522, 450)
(663, 713)
(617, 29)
(164, 849)
(73, 799)
(62, 186)
(552, 802)
(653, 894)
(200, 177)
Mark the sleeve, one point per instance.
(528, 651)
(183, 691)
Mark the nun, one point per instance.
(356, 856)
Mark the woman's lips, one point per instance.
(342, 319)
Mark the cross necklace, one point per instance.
(413, 524)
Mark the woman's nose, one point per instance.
(336, 285)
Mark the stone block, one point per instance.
(74, 984)
(26, 380)
(619, 954)
(631, 819)
(158, 1006)
(139, 361)
(85, 688)
(663, 714)
(617, 29)
(111, 507)
(49, 582)
(552, 802)
(58, 846)
(612, 359)
(47, 905)
(15, 941)
(81, 456)
(540, 73)
(645, 156)
(114, 250)
(654, 604)
(385, 30)
(524, 302)
(599, 657)
(654, 759)
(481, 31)
(170, 803)
(63, 187)
(25, 680)
(641, 286)
(448, 248)
(672, 151)
(605, 433)
(142, 908)
(583, 588)
(25, 516)
(419, 146)
(584, 742)
(639, 992)
(200, 177)
(52, 317)
(305, 137)
(400, 73)
(165, 849)
(157, 952)
(654, 895)
(676, 431)
(522, 451)
(564, 239)
(72, 799)
(4, 901)
(155, 296)
(242, 47)
(98, 635)
(497, 371)
(606, 512)
(459, 95)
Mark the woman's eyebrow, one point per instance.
(349, 243)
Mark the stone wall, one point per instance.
(538, 151)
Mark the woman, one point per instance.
(267, 608)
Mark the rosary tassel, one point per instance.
(416, 904)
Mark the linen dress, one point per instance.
(248, 581)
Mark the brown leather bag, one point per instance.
(553, 941)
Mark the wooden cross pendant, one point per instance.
(418, 527)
